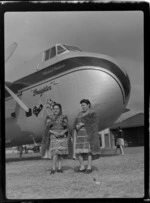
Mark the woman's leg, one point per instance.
(59, 162)
(55, 157)
(121, 150)
(89, 162)
(80, 157)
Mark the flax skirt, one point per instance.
(82, 143)
(58, 145)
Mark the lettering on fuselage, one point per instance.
(52, 69)
(42, 90)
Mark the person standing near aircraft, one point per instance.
(87, 138)
(20, 149)
(120, 141)
(58, 129)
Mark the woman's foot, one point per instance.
(59, 170)
(81, 169)
(52, 171)
(88, 170)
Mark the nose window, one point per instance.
(60, 49)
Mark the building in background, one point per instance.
(133, 128)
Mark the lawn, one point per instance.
(112, 177)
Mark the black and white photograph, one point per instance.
(74, 104)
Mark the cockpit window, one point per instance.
(47, 54)
(53, 52)
(60, 49)
(50, 53)
(72, 48)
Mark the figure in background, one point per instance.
(120, 141)
(45, 145)
(58, 137)
(87, 138)
(20, 149)
(25, 149)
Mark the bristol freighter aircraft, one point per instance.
(63, 74)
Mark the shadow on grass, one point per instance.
(77, 168)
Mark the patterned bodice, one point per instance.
(58, 123)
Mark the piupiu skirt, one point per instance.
(58, 145)
(82, 143)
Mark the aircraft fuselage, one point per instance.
(74, 76)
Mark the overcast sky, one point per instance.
(118, 34)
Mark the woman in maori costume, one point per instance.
(87, 138)
(58, 137)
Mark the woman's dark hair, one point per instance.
(86, 101)
(59, 105)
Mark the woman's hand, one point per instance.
(54, 132)
(47, 123)
(63, 132)
(60, 134)
(79, 125)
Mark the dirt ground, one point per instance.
(112, 177)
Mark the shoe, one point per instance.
(59, 170)
(88, 171)
(52, 171)
(81, 171)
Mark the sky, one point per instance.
(118, 34)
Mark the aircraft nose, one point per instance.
(123, 81)
(121, 76)
(111, 66)
(127, 86)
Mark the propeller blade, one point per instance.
(10, 50)
(18, 100)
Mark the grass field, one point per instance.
(112, 177)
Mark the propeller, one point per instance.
(10, 50)
(18, 100)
